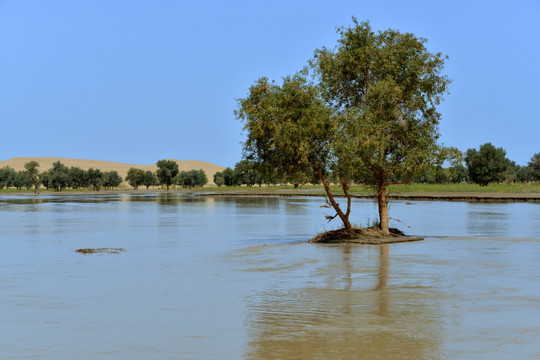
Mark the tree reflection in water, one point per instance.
(350, 322)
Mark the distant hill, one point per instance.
(46, 163)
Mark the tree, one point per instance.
(95, 178)
(219, 180)
(59, 176)
(371, 118)
(111, 179)
(385, 86)
(458, 173)
(32, 173)
(288, 128)
(167, 170)
(150, 179)
(191, 178)
(289, 132)
(509, 175)
(21, 180)
(435, 173)
(77, 178)
(247, 172)
(524, 174)
(534, 166)
(181, 179)
(201, 178)
(135, 177)
(486, 165)
(7, 176)
(45, 179)
(229, 177)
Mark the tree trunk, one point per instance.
(345, 187)
(382, 198)
(344, 217)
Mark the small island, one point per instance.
(366, 236)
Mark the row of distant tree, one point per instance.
(192, 178)
(488, 164)
(248, 172)
(245, 172)
(60, 177)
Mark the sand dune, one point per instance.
(46, 163)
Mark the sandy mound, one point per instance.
(46, 163)
(368, 236)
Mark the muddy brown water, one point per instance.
(231, 278)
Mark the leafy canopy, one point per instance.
(135, 177)
(7, 176)
(370, 116)
(58, 177)
(167, 170)
(150, 179)
(486, 165)
(32, 172)
(385, 86)
(534, 166)
(288, 127)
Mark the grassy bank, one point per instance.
(356, 190)
(459, 192)
(531, 188)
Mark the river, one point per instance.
(232, 278)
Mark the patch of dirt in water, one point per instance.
(367, 236)
(101, 251)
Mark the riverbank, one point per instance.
(435, 196)
(398, 193)
(447, 192)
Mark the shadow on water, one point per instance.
(344, 322)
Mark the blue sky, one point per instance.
(138, 81)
